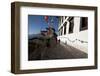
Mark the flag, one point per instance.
(46, 18)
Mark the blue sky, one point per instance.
(36, 23)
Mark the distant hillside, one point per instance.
(35, 36)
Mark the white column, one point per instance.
(67, 28)
(76, 24)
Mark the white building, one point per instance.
(74, 32)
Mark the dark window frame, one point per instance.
(65, 17)
(61, 30)
(65, 27)
(83, 23)
(71, 25)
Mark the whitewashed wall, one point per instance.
(79, 35)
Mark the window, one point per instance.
(83, 23)
(71, 25)
(62, 19)
(65, 17)
(65, 28)
(61, 30)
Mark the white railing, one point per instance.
(82, 41)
